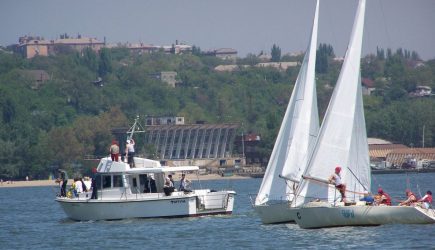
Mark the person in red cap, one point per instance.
(383, 198)
(114, 151)
(411, 198)
(339, 185)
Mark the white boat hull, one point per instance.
(275, 213)
(148, 207)
(319, 215)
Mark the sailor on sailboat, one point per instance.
(342, 141)
(295, 140)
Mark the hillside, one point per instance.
(57, 121)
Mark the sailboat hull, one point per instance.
(320, 215)
(275, 213)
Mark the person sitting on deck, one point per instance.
(426, 201)
(411, 199)
(339, 185)
(168, 188)
(383, 198)
(367, 198)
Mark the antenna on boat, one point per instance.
(135, 128)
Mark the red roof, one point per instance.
(369, 83)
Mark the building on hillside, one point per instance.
(223, 53)
(164, 120)
(283, 66)
(141, 48)
(368, 86)
(421, 91)
(168, 77)
(31, 46)
(38, 77)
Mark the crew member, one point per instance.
(339, 185)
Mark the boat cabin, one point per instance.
(147, 176)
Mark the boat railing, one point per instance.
(209, 201)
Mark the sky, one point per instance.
(249, 26)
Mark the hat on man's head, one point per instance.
(380, 191)
(337, 169)
(128, 141)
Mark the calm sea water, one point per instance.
(31, 219)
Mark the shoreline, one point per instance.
(45, 183)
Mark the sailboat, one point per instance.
(342, 141)
(295, 139)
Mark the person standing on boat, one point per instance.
(410, 198)
(383, 198)
(114, 151)
(172, 180)
(426, 200)
(184, 183)
(62, 180)
(129, 152)
(339, 185)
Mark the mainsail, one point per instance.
(298, 130)
(342, 139)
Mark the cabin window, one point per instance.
(134, 182)
(117, 181)
(107, 181)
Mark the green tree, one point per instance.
(275, 53)
(105, 62)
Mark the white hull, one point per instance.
(319, 215)
(275, 213)
(149, 206)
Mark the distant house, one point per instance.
(164, 120)
(168, 77)
(38, 77)
(277, 65)
(223, 53)
(31, 46)
(421, 91)
(226, 54)
(368, 86)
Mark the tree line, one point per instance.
(56, 123)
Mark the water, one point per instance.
(30, 218)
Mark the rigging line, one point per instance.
(357, 179)
(385, 26)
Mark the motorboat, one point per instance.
(122, 192)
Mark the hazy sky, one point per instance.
(246, 25)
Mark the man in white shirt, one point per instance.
(339, 185)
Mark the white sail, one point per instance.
(299, 126)
(342, 139)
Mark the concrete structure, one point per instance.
(164, 120)
(31, 46)
(223, 53)
(168, 77)
(194, 141)
(277, 65)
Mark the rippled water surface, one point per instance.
(31, 219)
